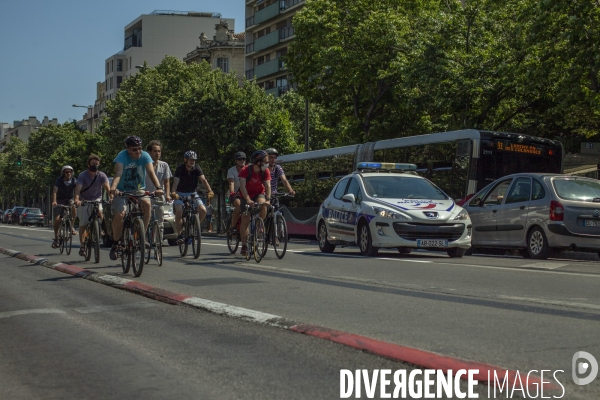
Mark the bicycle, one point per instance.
(133, 243)
(256, 234)
(233, 238)
(277, 233)
(65, 233)
(191, 228)
(92, 232)
(155, 237)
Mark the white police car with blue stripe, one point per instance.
(387, 205)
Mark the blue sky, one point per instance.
(52, 52)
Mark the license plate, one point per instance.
(588, 222)
(432, 243)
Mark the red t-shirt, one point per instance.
(255, 185)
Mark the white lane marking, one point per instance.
(25, 228)
(8, 314)
(543, 265)
(518, 269)
(405, 260)
(226, 309)
(260, 266)
(553, 302)
(95, 309)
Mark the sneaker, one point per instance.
(55, 243)
(244, 251)
(113, 252)
(180, 239)
(82, 251)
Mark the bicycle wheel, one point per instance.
(150, 241)
(95, 240)
(88, 242)
(268, 234)
(259, 239)
(68, 236)
(196, 232)
(157, 242)
(138, 247)
(233, 241)
(249, 241)
(183, 247)
(280, 240)
(61, 238)
(125, 253)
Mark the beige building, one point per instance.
(269, 31)
(23, 130)
(225, 51)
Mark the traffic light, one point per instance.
(19, 160)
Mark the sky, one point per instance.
(52, 52)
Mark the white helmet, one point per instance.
(62, 171)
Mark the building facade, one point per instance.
(225, 51)
(23, 129)
(269, 31)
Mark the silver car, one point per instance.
(537, 213)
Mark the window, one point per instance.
(223, 64)
(111, 82)
(260, 60)
(341, 188)
(106, 68)
(282, 52)
(119, 81)
(497, 194)
(354, 188)
(112, 65)
(538, 191)
(519, 192)
(119, 65)
(267, 57)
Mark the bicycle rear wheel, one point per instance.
(259, 239)
(125, 253)
(95, 240)
(233, 241)
(280, 240)
(138, 247)
(68, 237)
(196, 232)
(88, 242)
(150, 241)
(183, 247)
(157, 242)
(61, 238)
(268, 234)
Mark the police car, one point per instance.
(387, 205)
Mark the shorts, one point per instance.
(84, 211)
(158, 210)
(59, 211)
(197, 200)
(208, 218)
(119, 204)
(254, 199)
(232, 199)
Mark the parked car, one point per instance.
(5, 215)
(14, 215)
(537, 213)
(31, 216)
(386, 205)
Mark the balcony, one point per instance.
(250, 48)
(285, 4)
(266, 41)
(274, 91)
(250, 74)
(250, 21)
(286, 32)
(268, 68)
(132, 41)
(266, 13)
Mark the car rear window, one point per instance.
(399, 187)
(577, 189)
(34, 211)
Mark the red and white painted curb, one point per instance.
(420, 358)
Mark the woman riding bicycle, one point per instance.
(62, 194)
(255, 187)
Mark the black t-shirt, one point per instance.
(188, 180)
(66, 191)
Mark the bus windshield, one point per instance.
(402, 187)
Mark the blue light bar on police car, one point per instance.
(386, 166)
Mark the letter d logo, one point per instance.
(580, 367)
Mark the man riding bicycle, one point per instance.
(89, 188)
(185, 182)
(62, 194)
(163, 173)
(255, 187)
(131, 167)
(277, 173)
(234, 185)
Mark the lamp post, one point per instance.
(91, 111)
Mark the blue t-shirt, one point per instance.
(134, 171)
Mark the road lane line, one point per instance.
(7, 314)
(260, 266)
(553, 302)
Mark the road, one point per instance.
(505, 311)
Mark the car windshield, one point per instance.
(402, 187)
(577, 189)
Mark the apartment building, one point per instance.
(23, 129)
(225, 51)
(269, 32)
(151, 37)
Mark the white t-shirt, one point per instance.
(162, 172)
(232, 173)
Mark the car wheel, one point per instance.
(365, 241)
(172, 242)
(456, 252)
(324, 245)
(537, 244)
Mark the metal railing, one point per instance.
(250, 21)
(286, 32)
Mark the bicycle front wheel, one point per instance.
(269, 228)
(138, 246)
(68, 236)
(95, 240)
(183, 247)
(150, 241)
(259, 240)
(157, 242)
(196, 235)
(280, 236)
(88, 242)
(125, 253)
(62, 238)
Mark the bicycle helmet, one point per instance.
(62, 170)
(272, 151)
(133, 141)
(240, 154)
(191, 155)
(258, 155)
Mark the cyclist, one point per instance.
(185, 182)
(255, 187)
(131, 167)
(63, 193)
(89, 187)
(234, 186)
(163, 173)
(277, 173)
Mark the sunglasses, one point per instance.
(241, 159)
(135, 148)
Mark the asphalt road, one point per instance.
(507, 311)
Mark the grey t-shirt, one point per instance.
(95, 191)
(232, 173)
(162, 172)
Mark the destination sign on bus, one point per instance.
(519, 148)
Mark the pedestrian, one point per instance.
(209, 212)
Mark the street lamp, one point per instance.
(91, 111)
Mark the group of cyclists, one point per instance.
(139, 171)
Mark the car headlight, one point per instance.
(462, 215)
(385, 213)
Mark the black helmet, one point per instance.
(191, 155)
(240, 154)
(133, 141)
(258, 155)
(272, 151)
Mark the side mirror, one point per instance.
(348, 198)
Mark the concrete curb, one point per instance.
(419, 358)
